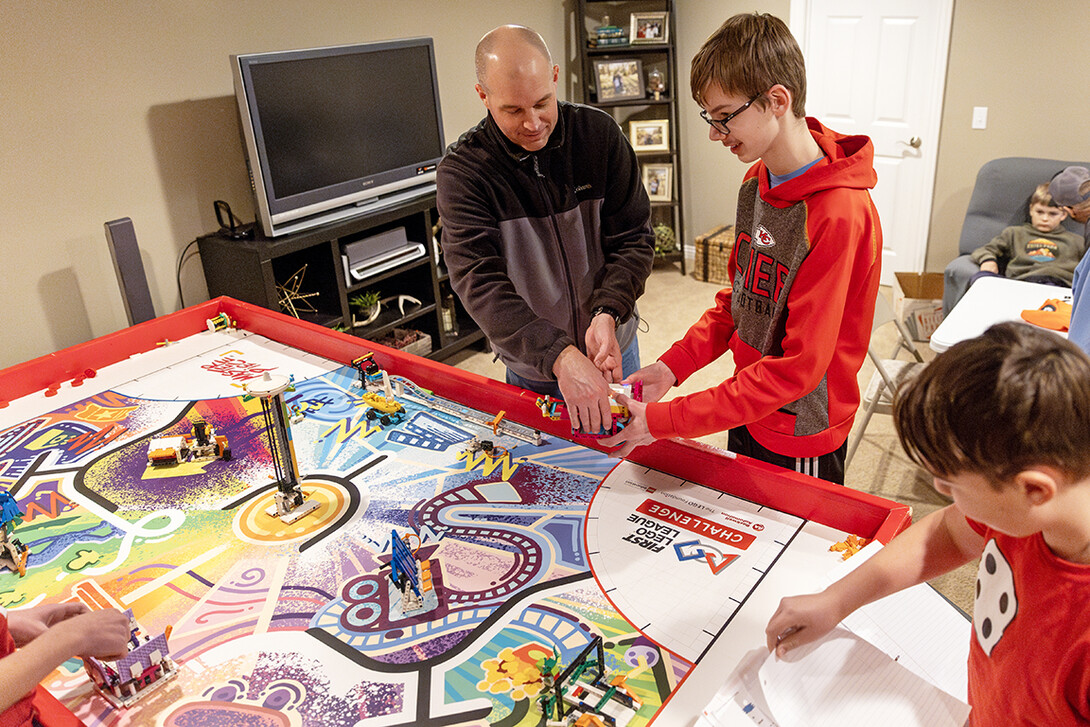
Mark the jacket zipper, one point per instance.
(563, 254)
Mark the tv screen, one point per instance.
(334, 132)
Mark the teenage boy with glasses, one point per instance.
(805, 269)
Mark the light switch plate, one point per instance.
(980, 117)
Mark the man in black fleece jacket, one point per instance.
(546, 230)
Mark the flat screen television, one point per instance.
(330, 133)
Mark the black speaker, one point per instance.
(130, 270)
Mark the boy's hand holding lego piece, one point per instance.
(656, 380)
(635, 433)
(56, 634)
(102, 634)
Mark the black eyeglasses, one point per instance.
(720, 125)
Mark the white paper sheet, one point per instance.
(844, 680)
(917, 628)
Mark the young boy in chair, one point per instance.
(1002, 422)
(1038, 251)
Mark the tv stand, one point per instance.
(259, 270)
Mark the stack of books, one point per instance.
(605, 35)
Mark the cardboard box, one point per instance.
(917, 300)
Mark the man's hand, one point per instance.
(989, 266)
(25, 625)
(602, 347)
(584, 389)
(635, 433)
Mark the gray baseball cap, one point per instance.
(1070, 187)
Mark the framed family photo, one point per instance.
(658, 181)
(649, 135)
(619, 79)
(649, 28)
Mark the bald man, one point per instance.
(546, 230)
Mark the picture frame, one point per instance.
(649, 28)
(658, 180)
(649, 134)
(619, 79)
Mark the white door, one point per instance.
(878, 67)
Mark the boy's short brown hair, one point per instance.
(1015, 397)
(749, 54)
(1041, 196)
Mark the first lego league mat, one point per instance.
(534, 549)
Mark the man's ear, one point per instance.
(1038, 485)
(482, 93)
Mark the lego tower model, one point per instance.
(291, 502)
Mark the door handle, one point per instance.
(914, 142)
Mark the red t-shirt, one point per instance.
(21, 713)
(1029, 660)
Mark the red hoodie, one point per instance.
(805, 269)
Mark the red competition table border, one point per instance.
(791, 492)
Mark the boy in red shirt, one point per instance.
(46, 637)
(1002, 422)
(805, 269)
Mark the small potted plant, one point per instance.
(367, 305)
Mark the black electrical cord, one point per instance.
(178, 272)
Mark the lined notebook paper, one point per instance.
(844, 680)
(919, 632)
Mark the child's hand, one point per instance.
(635, 432)
(657, 379)
(800, 620)
(103, 634)
(28, 624)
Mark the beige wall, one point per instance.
(1027, 64)
(125, 108)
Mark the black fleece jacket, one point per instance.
(535, 241)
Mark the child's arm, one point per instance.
(935, 545)
(104, 634)
(1000, 248)
(28, 624)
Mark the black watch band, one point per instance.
(608, 311)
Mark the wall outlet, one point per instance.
(980, 117)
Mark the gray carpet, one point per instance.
(673, 302)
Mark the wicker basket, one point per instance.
(712, 252)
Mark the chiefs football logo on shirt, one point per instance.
(763, 238)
